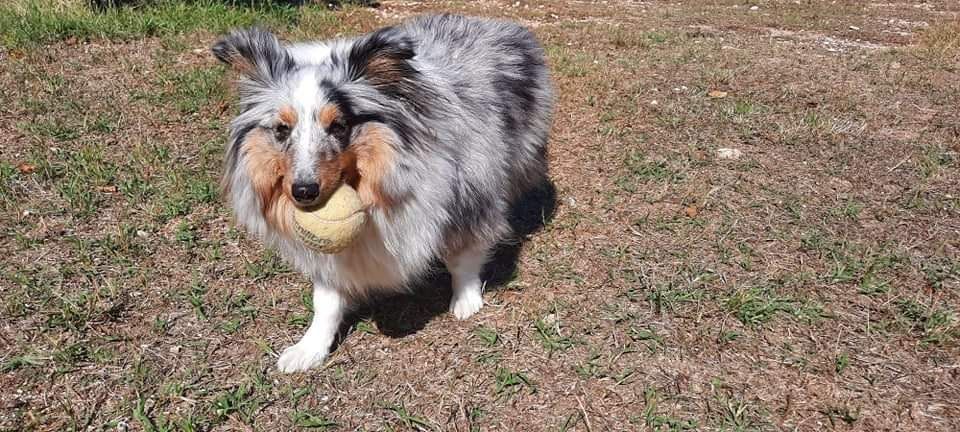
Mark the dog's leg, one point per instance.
(465, 269)
(313, 348)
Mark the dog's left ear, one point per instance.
(383, 60)
(255, 53)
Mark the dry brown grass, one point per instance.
(813, 283)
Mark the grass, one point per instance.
(310, 420)
(840, 413)
(661, 422)
(641, 171)
(755, 306)
(548, 333)
(194, 89)
(24, 361)
(32, 23)
(841, 363)
(408, 420)
(935, 326)
(489, 337)
(941, 43)
(671, 288)
(508, 383)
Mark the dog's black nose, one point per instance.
(305, 193)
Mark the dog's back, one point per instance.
(498, 72)
(489, 110)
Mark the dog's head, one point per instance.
(309, 123)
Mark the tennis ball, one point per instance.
(331, 228)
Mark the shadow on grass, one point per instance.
(402, 315)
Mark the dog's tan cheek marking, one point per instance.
(374, 157)
(267, 168)
(327, 115)
(287, 115)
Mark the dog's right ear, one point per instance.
(255, 53)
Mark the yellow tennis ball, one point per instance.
(331, 228)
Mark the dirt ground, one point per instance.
(754, 224)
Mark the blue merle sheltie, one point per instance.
(440, 124)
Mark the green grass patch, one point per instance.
(755, 306)
(630, 38)
(487, 335)
(647, 336)
(269, 264)
(935, 326)
(658, 421)
(408, 419)
(569, 62)
(508, 383)
(940, 271)
(933, 158)
(548, 333)
(240, 401)
(76, 175)
(312, 420)
(180, 193)
(9, 189)
(30, 23)
(193, 89)
(17, 362)
(640, 170)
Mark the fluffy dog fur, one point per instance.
(440, 123)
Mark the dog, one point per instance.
(440, 123)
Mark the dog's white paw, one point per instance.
(300, 357)
(466, 304)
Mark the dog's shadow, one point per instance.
(401, 315)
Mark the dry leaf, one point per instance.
(717, 94)
(26, 168)
(692, 211)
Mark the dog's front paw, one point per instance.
(300, 357)
(466, 304)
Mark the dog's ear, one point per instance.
(382, 59)
(255, 53)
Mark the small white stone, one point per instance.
(754, 8)
(550, 319)
(729, 153)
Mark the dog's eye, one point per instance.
(337, 129)
(281, 132)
